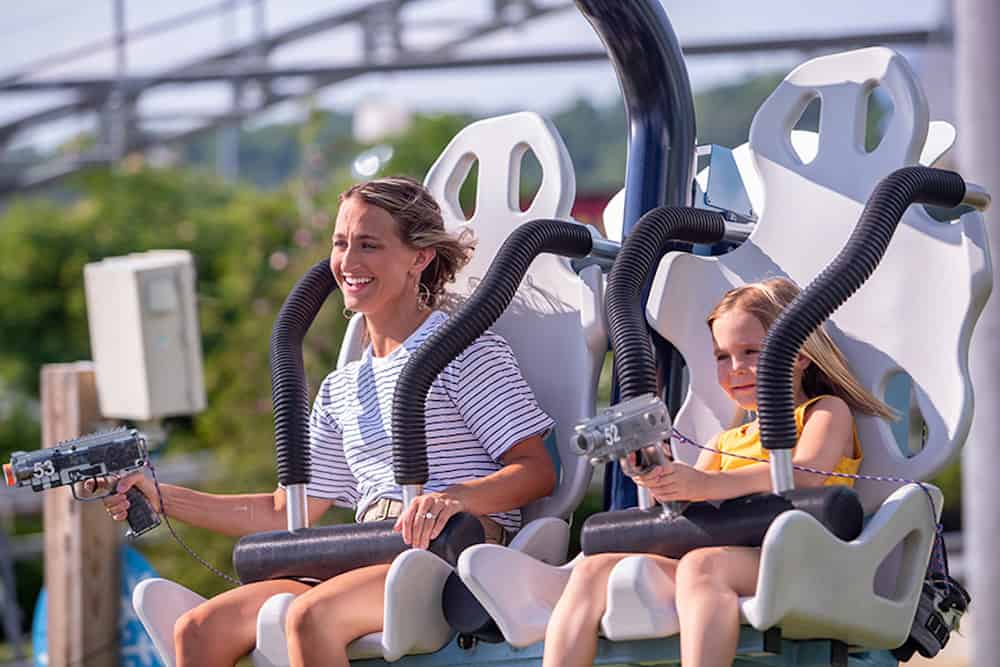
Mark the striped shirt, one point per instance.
(478, 407)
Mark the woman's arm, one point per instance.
(234, 515)
(527, 474)
(827, 435)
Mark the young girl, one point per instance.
(391, 258)
(708, 582)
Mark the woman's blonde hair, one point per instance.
(420, 226)
(828, 372)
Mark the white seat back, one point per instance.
(915, 315)
(555, 324)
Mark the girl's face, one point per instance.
(376, 271)
(737, 339)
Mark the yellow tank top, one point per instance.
(739, 441)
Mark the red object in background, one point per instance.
(589, 208)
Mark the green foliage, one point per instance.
(272, 155)
(595, 137)
(950, 483)
(724, 113)
(415, 150)
(249, 247)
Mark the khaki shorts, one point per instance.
(390, 508)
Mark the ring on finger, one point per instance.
(430, 515)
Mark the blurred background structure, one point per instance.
(227, 127)
(118, 74)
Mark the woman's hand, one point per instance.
(426, 516)
(117, 504)
(675, 480)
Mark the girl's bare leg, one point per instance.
(231, 616)
(571, 636)
(710, 582)
(322, 622)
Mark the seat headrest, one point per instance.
(808, 212)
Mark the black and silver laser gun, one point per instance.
(633, 432)
(636, 433)
(90, 457)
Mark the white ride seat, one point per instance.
(925, 295)
(556, 328)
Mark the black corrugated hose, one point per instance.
(639, 256)
(835, 284)
(289, 391)
(484, 307)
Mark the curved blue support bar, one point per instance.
(647, 58)
(644, 50)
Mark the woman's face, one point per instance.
(737, 339)
(376, 271)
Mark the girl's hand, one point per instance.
(426, 516)
(675, 481)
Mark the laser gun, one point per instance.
(636, 433)
(91, 457)
(638, 427)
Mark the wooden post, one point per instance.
(81, 542)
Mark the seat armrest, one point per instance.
(640, 602)
(814, 585)
(518, 591)
(159, 603)
(414, 617)
(546, 539)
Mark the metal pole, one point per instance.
(661, 140)
(977, 23)
(116, 106)
(227, 143)
(260, 45)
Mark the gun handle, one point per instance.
(141, 517)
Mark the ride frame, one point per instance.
(656, 90)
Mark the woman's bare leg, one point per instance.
(231, 615)
(571, 636)
(710, 582)
(322, 622)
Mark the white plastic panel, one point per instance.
(556, 322)
(807, 213)
(844, 605)
(142, 315)
(159, 603)
(940, 138)
(516, 589)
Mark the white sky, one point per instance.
(40, 28)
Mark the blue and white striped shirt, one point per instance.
(478, 408)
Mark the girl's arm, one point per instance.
(827, 435)
(709, 459)
(233, 515)
(527, 474)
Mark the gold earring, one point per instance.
(423, 297)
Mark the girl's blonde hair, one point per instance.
(828, 372)
(420, 226)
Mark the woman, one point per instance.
(391, 258)
(708, 582)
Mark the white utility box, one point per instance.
(144, 335)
